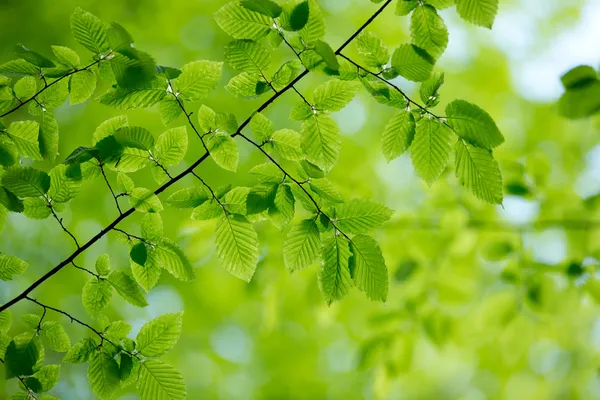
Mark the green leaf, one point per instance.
(322, 140)
(159, 381)
(412, 62)
(123, 99)
(89, 31)
(47, 377)
(53, 96)
(55, 335)
(66, 56)
(96, 296)
(10, 201)
(139, 253)
(237, 246)
(581, 102)
(65, 183)
(81, 352)
(428, 30)
(242, 23)
(367, 268)
(334, 275)
(282, 210)
(48, 136)
(398, 134)
(430, 150)
(188, 198)
(9, 154)
(109, 127)
(103, 375)
(261, 127)
(25, 135)
(235, 200)
(288, 144)
(148, 274)
(478, 12)
(223, 151)
(302, 245)
(247, 85)
(429, 89)
(260, 198)
(382, 93)
(127, 288)
(25, 88)
(125, 183)
(315, 27)
(324, 50)
(159, 335)
(298, 17)
(373, 50)
(361, 215)
(267, 173)
(5, 322)
(197, 80)
(103, 264)
(324, 188)
(334, 95)
(81, 86)
(173, 259)
(11, 265)
(144, 200)
(135, 137)
(247, 56)
(477, 170)
(286, 74)
(19, 68)
(170, 110)
(152, 228)
(579, 77)
(34, 58)
(264, 7)
(26, 181)
(171, 146)
(473, 124)
(24, 355)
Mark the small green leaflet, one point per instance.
(26, 181)
(281, 212)
(55, 336)
(159, 380)
(197, 80)
(428, 30)
(66, 56)
(159, 335)
(96, 295)
(412, 62)
(81, 86)
(89, 31)
(477, 170)
(430, 149)
(261, 127)
(25, 136)
(223, 151)
(361, 215)
(242, 23)
(171, 146)
(324, 50)
(398, 134)
(367, 267)
(103, 264)
(237, 246)
(288, 144)
(10, 266)
(473, 124)
(322, 140)
(265, 7)
(373, 49)
(302, 245)
(298, 17)
(334, 95)
(24, 355)
(127, 288)
(144, 200)
(334, 276)
(267, 173)
(103, 375)
(188, 197)
(172, 259)
(81, 352)
(247, 56)
(478, 12)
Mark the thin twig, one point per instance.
(57, 218)
(112, 192)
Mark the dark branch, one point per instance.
(112, 192)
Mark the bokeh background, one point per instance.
(485, 302)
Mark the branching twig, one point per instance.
(175, 179)
(112, 192)
(59, 220)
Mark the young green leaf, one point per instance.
(159, 335)
(172, 259)
(159, 380)
(89, 31)
(5, 321)
(288, 144)
(208, 210)
(24, 355)
(373, 50)
(65, 183)
(298, 17)
(10, 266)
(144, 200)
(46, 378)
(82, 86)
(260, 198)
(428, 30)
(412, 62)
(96, 296)
(286, 74)
(147, 274)
(367, 268)
(25, 135)
(171, 146)
(322, 140)
(81, 352)
(398, 134)
(267, 173)
(261, 127)
(247, 56)
(242, 23)
(429, 89)
(48, 136)
(103, 375)
(124, 99)
(478, 12)
(127, 288)
(264, 7)
(473, 124)
(302, 245)
(281, 211)
(25, 88)
(361, 215)
(26, 181)
(477, 170)
(103, 264)
(324, 50)
(324, 188)
(140, 138)
(188, 198)
(9, 154)
(66, 56)
(55, 335)
(223, 151)
(334, 275)
(334, 95)
(430, 149)
(237, 246)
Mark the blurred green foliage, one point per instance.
(497, 302)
